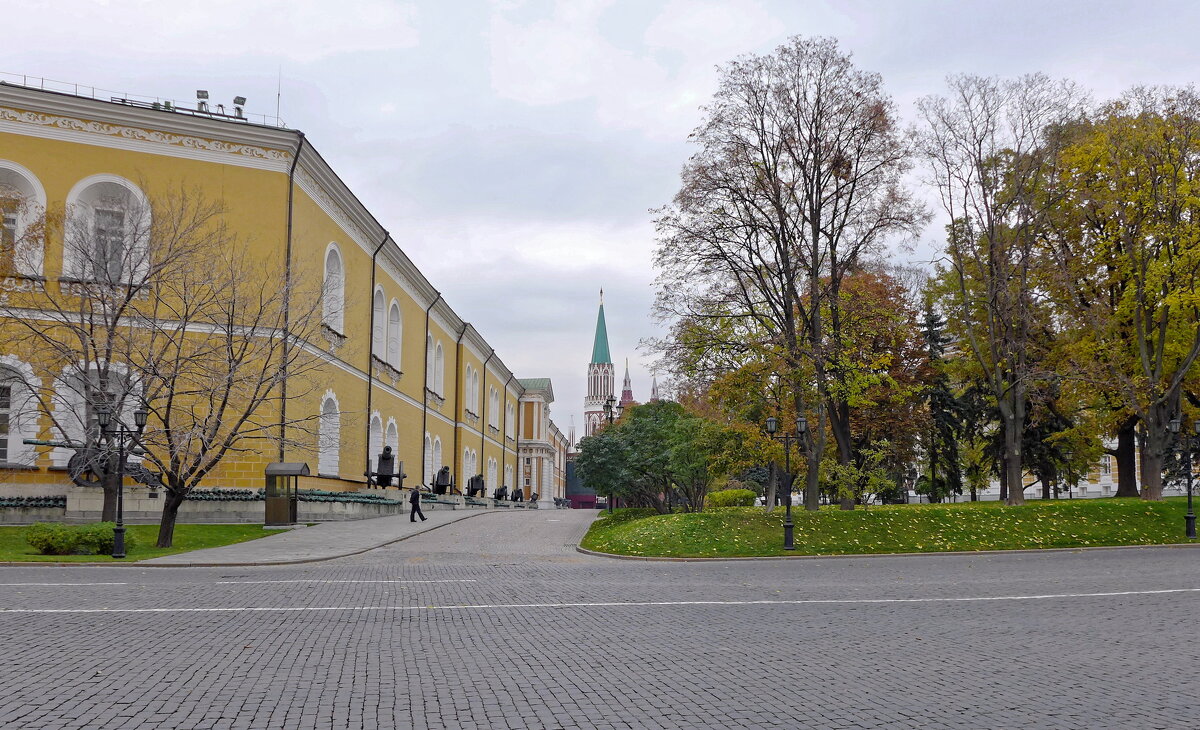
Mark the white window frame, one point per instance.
(329, 435)
(395, 334)
(333, 289)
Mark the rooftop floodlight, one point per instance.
(201, 94)
(239, 100)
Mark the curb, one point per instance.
(948, 553)
(142, 564)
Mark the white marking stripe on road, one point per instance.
(613, 604)
(317, 580)
(64, 584)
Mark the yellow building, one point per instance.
(543, 447)
(393, 364)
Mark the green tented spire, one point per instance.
(600, 348)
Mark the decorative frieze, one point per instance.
(71, 124)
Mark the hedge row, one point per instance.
(53, 538)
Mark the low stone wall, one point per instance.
(30, 515)
(143, 506)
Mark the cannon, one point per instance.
(476, 486)
(386, 469)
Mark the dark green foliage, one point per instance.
(946, 418)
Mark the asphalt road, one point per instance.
(496, 622)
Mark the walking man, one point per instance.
(414, 499)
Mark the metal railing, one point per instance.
(138, 100)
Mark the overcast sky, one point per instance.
(513, 148)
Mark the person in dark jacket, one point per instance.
(414, 499)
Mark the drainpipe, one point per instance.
(425, 385)
(504, 433)
(457, 385)
(483, 426)
(287, 295)
(371, 354)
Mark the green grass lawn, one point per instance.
(748, 531)
(13, 547)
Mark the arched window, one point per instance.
(467, 389)
(379, 326)
(430, 378)
(493, 407)
(392, 436)
(78, 392)
(510, 418)
(108, 231)
(466, 462)
(329, 435)
(395, 330)
(427, 470)
(508, 475)
(491, 471)
(375, 438)
(22, 203)
(18, 411)
(475, 392)
(437, 453)
(333, 289)
(439, 370)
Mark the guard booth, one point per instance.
(283, 492)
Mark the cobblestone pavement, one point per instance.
(495, 622)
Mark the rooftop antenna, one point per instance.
(278, 91)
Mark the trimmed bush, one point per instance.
(730, 498)
(98, 538)
(52, 538)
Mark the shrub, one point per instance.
(730, 498)
(98, 538)
(52, 538)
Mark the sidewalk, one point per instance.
(324, 541)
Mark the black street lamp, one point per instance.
(609, 406)
(124, 438)
(1189, 519)
(787, 438)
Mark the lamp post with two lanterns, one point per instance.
(611, 408)
(1189, 520)
(123, 438)
(787, 438)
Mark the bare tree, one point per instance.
(797, 181)
(990, 144)
(161, 306)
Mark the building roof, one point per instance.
(600, 347)
(534, 383)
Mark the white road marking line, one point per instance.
(64, 584)
(613, 604)
(318, 580)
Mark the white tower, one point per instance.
(600, 378)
